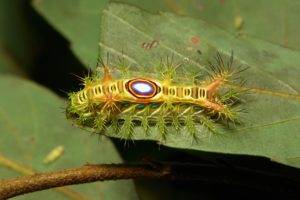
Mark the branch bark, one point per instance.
(172, 171)
(85, 174)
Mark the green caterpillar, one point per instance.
(146, 102)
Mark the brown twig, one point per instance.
(85, 174)
(23, 169)
(172, 171)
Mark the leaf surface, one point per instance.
(32, 124)
(272, 122)
(272, 119)
(248, 18)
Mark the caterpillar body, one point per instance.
(143, 101)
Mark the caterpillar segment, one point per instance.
(147, 102)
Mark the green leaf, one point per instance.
(32, 124)
(258, 18)
(79, 21)
(272, 121)
(254, 18)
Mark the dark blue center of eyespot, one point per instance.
(143, 88)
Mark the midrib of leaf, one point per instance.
(266, 92)
(269, 124)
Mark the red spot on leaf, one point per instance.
(195, 40)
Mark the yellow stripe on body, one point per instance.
(202, 93)
(121, 86)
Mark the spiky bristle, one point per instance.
(208, 124)
(161, 127)
(127, 129)
(191, 127)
